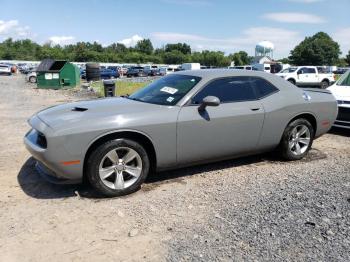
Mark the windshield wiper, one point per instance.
(132, 98)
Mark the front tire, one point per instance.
(297, 139)
(118, 167)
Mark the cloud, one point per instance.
(342, 36)
(13, 29)
(196, 3)
(132, 41)
(284, 40)
(61, 40)
(286, 17)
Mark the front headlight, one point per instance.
(37, 138)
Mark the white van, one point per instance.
(246, 67)
(190, 66)
(167, 70)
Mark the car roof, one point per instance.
(217, 73)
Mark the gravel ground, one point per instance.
(256, 208)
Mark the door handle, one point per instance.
(255, 109)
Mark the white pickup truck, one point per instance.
(307, 76)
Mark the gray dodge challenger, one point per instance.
(182, 119)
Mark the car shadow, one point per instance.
(340, 131)
(36, 186)
(205, 168)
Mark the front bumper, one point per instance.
(51, 159)
(52, 177)
(343, 118)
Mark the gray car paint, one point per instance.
(180, 134)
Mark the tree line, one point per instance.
(320, 49)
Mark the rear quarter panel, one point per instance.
(280, 108)
(324, 107)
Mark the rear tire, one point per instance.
(324, 84)
(292, 81)
(296, 140)
(118, 167)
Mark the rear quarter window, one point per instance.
(262, 87)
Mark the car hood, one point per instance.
(341, 93)
(98, 111)
(282, 74)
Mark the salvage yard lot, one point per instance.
(253, 208)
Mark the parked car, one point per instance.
(135, 71)
(107, 73)
(341, 92)
(190, 66)
(308, 76)
(114, 68)
(21, 67)
(262, 67)
(151, 70)
(27, 69)
(168, 70)
(162, 71)
(31, 77)
(5, 69)
(340, 71)
(247, 67)
(182, 119)
(124, 70)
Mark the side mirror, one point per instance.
(209, 101)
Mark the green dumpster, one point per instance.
(57, 74)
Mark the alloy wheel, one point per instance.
(299, 140)
(120, 168)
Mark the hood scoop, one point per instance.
(79, 109)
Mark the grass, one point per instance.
(337, 77)
(122, 87)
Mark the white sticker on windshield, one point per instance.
(170, 99)
(169, 90)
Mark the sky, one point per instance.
(224, 25)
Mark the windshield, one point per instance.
(289, 70)
(167, 90)
(344, 80)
